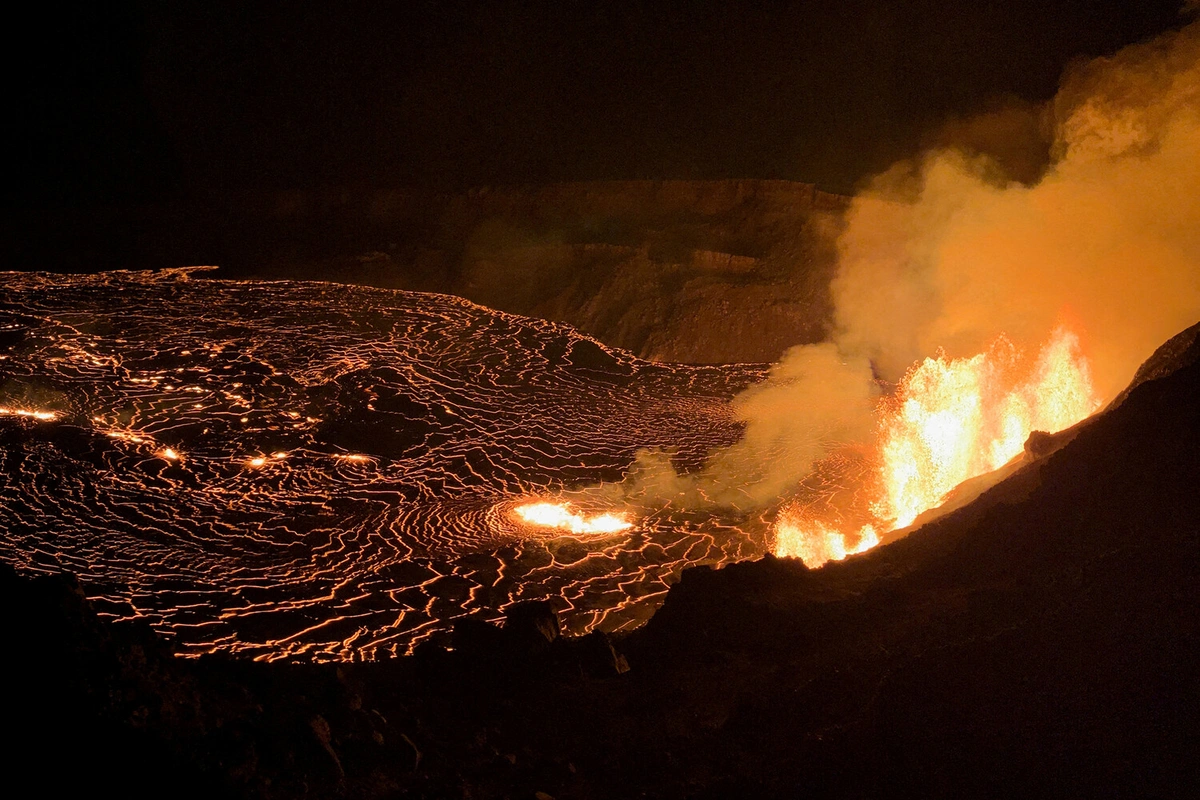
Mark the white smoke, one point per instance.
(946, 252)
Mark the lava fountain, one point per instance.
(951, 420)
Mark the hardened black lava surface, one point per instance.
(328, 472)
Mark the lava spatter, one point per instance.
(950, 420)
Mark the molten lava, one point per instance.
(951, 420)
(41, 416)
(955, 419)
(814, 542)
(560, 515)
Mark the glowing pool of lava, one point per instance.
(561, 516)
(311, 471)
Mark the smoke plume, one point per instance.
(949, 250)
(946, 252)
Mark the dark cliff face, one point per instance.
(1039, 642)
(689, 271)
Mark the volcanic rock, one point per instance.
(598, 658)
(1179, 351)
(11, 335)
(531, 625)
(477, 639)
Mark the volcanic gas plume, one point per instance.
(1085, 271)
(972, 309)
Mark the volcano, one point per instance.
(556, 426)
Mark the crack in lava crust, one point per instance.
(316, 471)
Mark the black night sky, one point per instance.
(126, 102)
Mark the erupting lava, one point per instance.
(951, 420)
(560, 515)
(814, 542)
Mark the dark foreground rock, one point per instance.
(1042, 641)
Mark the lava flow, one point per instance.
(951, 420)
(349, 473)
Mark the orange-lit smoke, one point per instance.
(945, 258)
(946, 253)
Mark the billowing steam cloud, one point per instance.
(947, 252)
(815, 401)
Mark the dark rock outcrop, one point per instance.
(532, 625)
(111, 711)
(1176, 353)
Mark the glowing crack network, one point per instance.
(326, 472)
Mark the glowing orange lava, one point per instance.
(814, 543)
(560, 515)
(126, 436)
(951, 420)
(42, 416)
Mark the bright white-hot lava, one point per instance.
(561, 516)
(41, 416)
(951, 420)
(815, 543)
(955, 419)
